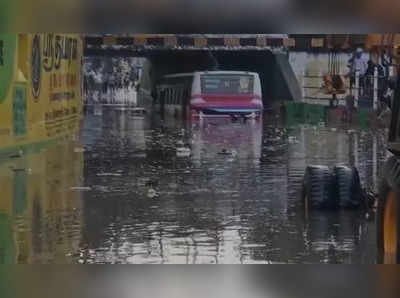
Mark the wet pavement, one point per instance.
(140, 190)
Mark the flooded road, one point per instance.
(141, 190)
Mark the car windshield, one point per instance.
(227, 84)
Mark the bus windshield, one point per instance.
(227, 84)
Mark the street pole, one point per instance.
(375, 105)
(357, 91)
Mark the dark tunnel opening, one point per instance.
(277, 78)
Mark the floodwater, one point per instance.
(124, 193)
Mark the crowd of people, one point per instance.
(366, 70)
(98, 85)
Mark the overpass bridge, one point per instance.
(141, 44)
(266, 54)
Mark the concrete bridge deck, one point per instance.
(276, 57)
(98, 44)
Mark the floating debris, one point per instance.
(109, 175)
(293, 140)
(183, 152)
(152, 193)
(101, 188)
(138, 112)
(152, 182)
(81, 188)
(18, 154)
(98, 111)
(227, 152)
(173, 185)
(252, 116)
(275, 139)
(139, 155)
(79, 150)
(270, 148)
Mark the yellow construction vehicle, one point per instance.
(388, 204)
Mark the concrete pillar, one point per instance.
(122, 126)
(303, 81)
(375, 103)
(355, 136)
(374, 163)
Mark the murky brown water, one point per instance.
(124, 194)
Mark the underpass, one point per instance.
(124, 193)
(168, 54)
(291, 67)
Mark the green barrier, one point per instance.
(294, 113)
(303, 113)
(363, 120)
(314, 113)
(7, 251)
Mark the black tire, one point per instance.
(388, 214)
(349, 194)
(318, 186)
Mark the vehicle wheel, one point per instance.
(388, 214)
(349, 193)
(318, 188)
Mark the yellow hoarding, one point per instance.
(40, 88)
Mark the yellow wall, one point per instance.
(40, 100)
(44, 98)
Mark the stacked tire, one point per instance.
(325, 188)
(348, 191)
(318, 187)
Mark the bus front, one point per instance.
(226, 94)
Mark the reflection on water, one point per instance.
(39, 214)
(235, 199)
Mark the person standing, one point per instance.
(357, 63)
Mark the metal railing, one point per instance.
(366, 87)
(124, 96)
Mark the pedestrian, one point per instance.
(358, 64)
(369, 78)
(386, 62)
(382, 81)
